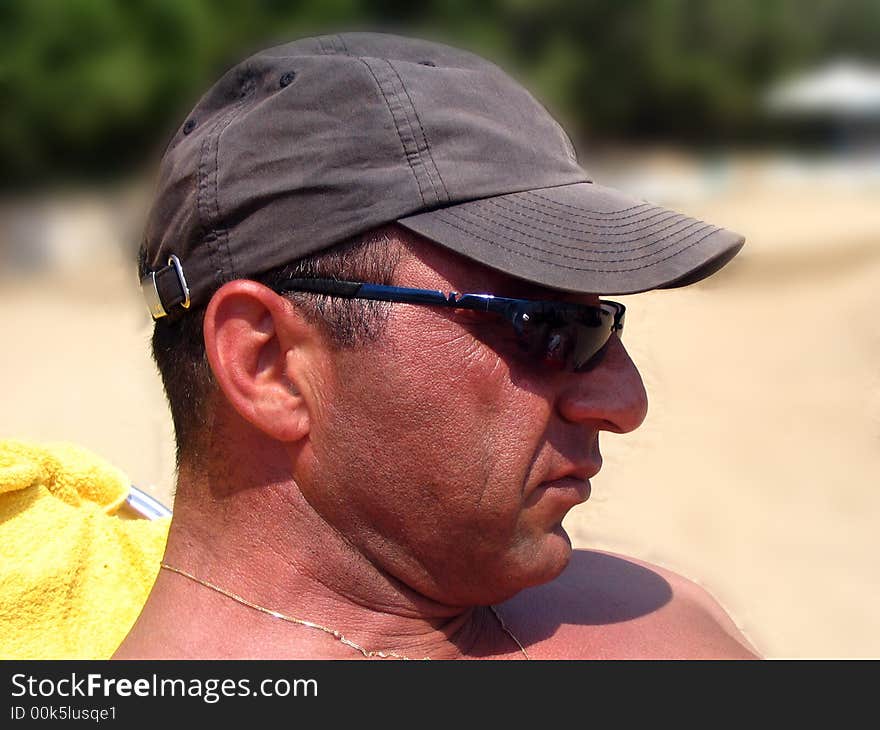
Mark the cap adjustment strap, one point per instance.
(165, 289)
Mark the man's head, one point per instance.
(311, 143)
(426, 435)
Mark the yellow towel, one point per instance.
(74, 573)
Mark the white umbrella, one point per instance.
(842, 88)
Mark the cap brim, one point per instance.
(581, 238)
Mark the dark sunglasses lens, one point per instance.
(568, 339)
(593, 336)
(590, 343)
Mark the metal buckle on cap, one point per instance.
(150, 289)
(173, 260)
(151, 295)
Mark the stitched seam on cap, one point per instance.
(208, 235)
(396, 126)
(427, 144)
(581, 211)
(480, 226)
(579, 268)
(417, 148)
(333, 45)
(414, 149)
(518, 208)
(636, 235)
(518, 200)
(223, 232)
(653, 242)
(342, 42)
(695, 224)
(324, 48)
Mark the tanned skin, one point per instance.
(394, 490)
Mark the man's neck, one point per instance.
(255, 551)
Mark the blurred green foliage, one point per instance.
(94, 87)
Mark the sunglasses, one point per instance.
(566, 334)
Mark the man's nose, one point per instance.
(610, 393)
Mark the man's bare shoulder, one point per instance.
(606, 606)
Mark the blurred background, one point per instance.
(756, 472)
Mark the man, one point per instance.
(367, 467)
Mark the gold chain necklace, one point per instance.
(338, 635)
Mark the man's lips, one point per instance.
(570, 484)
(567, 491)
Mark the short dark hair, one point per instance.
(178, 341)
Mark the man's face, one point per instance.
(447, 455)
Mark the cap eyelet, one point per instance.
(189, 126)
(286, 79)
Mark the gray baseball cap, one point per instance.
(307, 144)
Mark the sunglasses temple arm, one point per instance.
(376, 292)
(330, 287)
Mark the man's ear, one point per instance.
(249, 333)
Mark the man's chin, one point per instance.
(545, 562)
(533, 562)
(560, 532)
(557, 553)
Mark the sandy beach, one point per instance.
(755, 473)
